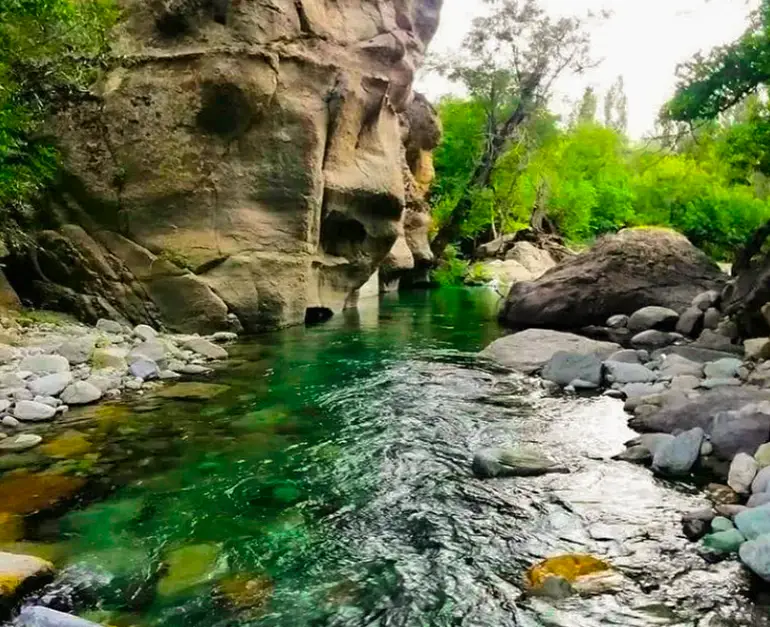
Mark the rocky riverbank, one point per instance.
(46, 367)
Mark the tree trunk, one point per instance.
(482, 175)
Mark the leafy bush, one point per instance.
(451, 269)
(478, 274)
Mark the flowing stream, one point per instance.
(330, 485)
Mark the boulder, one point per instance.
(20, 573)
(109, 326)
(44, 364)
(706, 300)
(513, 462)
(81, 393)
(50, 384)
(150, 349)
(39, 616)
(77, 351)
(690, 323)
(653, 339)
(678, 456)
(8, 353)
(755, 554)
(619, 372)
(695, 353)
(763, 455)
(621, 274)
(145, 332)
(564, 368)
(144, 368)
(714, 341)
(205, 348)
(761, 482)
(21, 442)
(618, 321)
(711, 318)
(754, 522)
(710, 384)
(740, 431)
(536, 260)
(759, 499)
(110, 357)
(30, 411)
(724, 541)
(743, 469)
(675, 365)
(757, 348)
(722, 369)
(626, 356)
(507, 272)
(653, 317)
(528, 351)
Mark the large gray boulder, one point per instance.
(39, 616)
(528, 351)
(621, 274)
(620, 372)
(653, 317)
(564, 368)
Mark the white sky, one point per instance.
(643, 40)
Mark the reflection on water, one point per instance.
(330, 485)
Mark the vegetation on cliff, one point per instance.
(48, 49)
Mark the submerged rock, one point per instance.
(559, 577)
(513, 462)
(21, 442)
(728, 541)
(189, 567)
(193, 391)
(528, 351)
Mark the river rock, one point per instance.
(21, 572)
(77, 351)
(659, 318)
(653, 339)
(724, 541)
(8, 353)
(626, 356)
(30, 411)
(642, 390)
(513, 462)
(39, 616)
(694, 529)
(730, 511)
(619, 372)
(21, 442)
(110, 357)
(224, 337)
(740, 431)
(754, 522)
(564, 368)
(192, 369)
(714, 341)
(44, 364)
(711, 318)
(711, 384)
(696, 353)
(149, 349)
(763, 455)
(619, 321)
(145, 332)
(757, 348)
(755, 554)
(190, 390)
(144, 368)
(690, 323)
(206, 348)
(10, 422)
(81, 393)
(759, 499)
(619, 275)
(684, 383)
(635, 455)
(722, 369)
(706, 300)
(679, 456)
(676, 365)
(743, 470)
(51, 384)
(109, 326)
(761, 482)
(528, 351)
(652, 441)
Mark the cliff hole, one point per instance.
(317, 315)
(225, 110)
(342, 236)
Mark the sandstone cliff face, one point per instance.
(242, 159)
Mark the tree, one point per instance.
(509, 62)
(585, 112)
(616, 107)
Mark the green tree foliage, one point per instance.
(48, 51)
(592, 180)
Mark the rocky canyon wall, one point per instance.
(242, 162)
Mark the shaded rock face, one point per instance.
(260, 159)
(620, 275)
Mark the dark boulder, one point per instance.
(621, 274)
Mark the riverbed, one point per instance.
(329, 485)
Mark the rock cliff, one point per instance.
(241, 162)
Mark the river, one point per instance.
(330, 485)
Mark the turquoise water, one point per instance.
(329, 484)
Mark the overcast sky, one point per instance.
(643, 41)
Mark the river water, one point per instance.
(330, 485)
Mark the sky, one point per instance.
(642, 40)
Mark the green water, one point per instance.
(329, 485)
